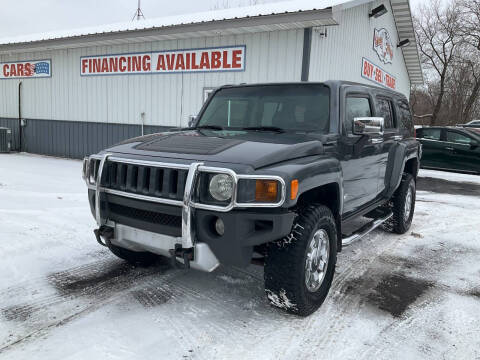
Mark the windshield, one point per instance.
(296, 107)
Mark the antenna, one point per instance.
(138, 14)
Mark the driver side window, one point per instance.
(356, 106)
(458, 138)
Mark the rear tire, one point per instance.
(133, 257)
(299, 268)
(402, 204)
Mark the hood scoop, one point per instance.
(188, 143)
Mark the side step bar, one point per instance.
(365, 230)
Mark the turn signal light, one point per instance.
(293, 189)
(266, 191)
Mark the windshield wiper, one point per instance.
(210, 127)
(265, 128)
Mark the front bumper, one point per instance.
(143, 223)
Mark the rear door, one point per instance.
(391, 136)
(460, 154)
(360, 154)
(433, 154)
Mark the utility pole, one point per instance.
(138, 13)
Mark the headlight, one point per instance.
(90, 169)
(221, 187)
(85, 168)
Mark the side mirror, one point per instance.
(191, 120)
(368, 125)
(474, 144)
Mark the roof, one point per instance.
(261, 17)
(404, 22)
(259, 10)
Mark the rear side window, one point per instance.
(455, 137)
(385, 110)
(356, 107)
(430, 134)
(405, 116)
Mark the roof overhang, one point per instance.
(403, 20)
(258, 18)
(177, 28)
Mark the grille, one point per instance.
(145, 215)
(145, 219)
(145, 180)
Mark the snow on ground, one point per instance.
(62, 296)
(445, 175)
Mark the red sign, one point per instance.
(26, 69)
(172, 61)
(376, 74)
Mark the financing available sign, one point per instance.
(161, 62)
(26, 69)
(376, 74)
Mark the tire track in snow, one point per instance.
(332, 318)
(77, 289)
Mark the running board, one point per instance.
(365, 230)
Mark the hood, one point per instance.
(256, 149)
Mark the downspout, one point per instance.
(20, 130)
(307, 46)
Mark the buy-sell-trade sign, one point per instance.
(26, 69)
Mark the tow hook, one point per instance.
(105, 232)
(185, 254)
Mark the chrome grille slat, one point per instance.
(144, 179)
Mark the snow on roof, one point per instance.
(283, 7)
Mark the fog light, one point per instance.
(219, 227)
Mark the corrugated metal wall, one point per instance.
(76, 139)
(166, 99)
(339, 55)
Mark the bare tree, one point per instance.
(470, 31)
(438, 36)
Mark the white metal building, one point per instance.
(83, 90)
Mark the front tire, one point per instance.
(299, 268)
(402, 205)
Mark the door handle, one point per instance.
(377, 141)
(449, 148)
(398, 137)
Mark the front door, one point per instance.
(361, 153)
(433, 148)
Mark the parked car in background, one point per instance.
(450, 148)
(472, 124)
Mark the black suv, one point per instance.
(272, 174)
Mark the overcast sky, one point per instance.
(19, 17)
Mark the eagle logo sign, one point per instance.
(383, 46)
